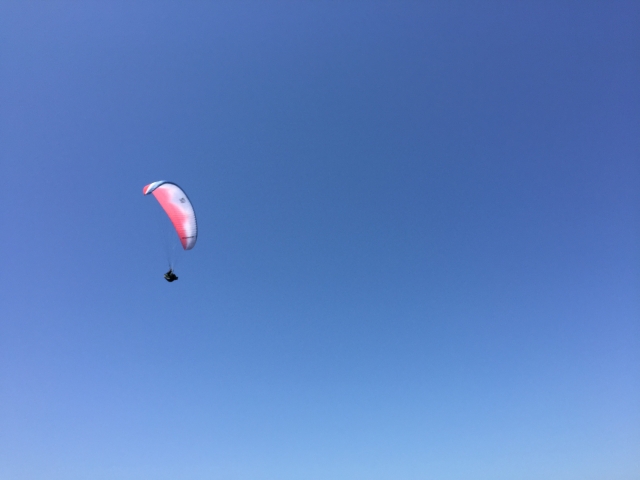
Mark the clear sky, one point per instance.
(418, 253)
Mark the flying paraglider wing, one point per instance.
(177, 206)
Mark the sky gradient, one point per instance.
(418, 252)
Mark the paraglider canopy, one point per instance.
(177, 206)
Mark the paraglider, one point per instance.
(176, 204)
(170, 276)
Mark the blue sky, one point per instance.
(418, 250)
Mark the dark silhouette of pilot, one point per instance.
(170, 276)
